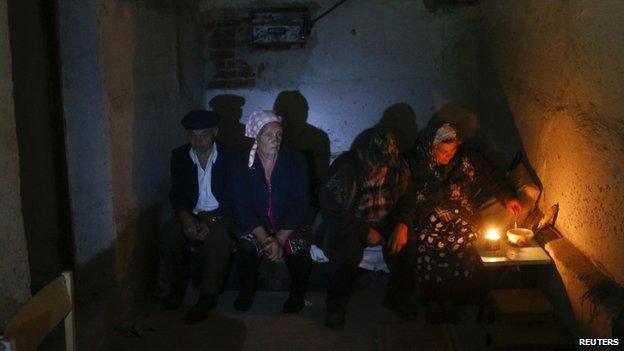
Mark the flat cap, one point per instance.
(200, 119)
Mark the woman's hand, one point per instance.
(272, 248)
(514, 206)
(374, 238)
(398, 239)
(282, 235)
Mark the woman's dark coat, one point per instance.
(289, 196)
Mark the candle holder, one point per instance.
(492, 240)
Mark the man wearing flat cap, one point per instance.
(196, 243)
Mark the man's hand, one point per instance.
(190, 225)
(203, 230)
(398, 239)
(514, 206)
(374, 238)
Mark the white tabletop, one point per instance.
(508, 255)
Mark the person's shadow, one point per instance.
(303, 137)
(231, 131)
(400, 119)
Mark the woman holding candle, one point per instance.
(448, 181)
(273, 211)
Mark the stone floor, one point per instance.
(264, 327)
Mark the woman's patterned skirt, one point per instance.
(445, 248)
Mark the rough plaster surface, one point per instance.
(363, 58)
(579, 275)
(560, 70)
(14, 272)
(149, 83)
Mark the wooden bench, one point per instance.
(41, 314)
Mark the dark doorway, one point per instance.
(39, 121)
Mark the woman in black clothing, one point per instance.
(447, 180)
(273, 211)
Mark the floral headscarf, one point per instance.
(257, 120)
(435, 133)
(380, 146)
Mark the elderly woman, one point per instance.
(363, 203)
(273, 209)
(448, 179)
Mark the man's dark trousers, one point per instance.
(211, 259)
(345, 257)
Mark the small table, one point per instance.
(508, 255)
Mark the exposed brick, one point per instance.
(220, 65)
(223, 44)
(218, 84)
(246, 72)
(231, 83)
(245, 42)
(227, 74)
(242, 83)
(222, 54)
(261, 67)
(224, 32)
(228, 22)
(234, 64)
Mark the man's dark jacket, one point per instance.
(184, 183)
(341, 195)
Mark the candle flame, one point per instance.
(492, 234)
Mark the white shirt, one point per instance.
(206, 200)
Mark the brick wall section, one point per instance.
(228, 40)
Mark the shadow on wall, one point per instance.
(498, 133)
(460, 115)
(136, 256)
(306, 138)
(231, 130)
(400, 119)
(96, 308)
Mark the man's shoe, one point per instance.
(293, 304)
(243, 302)
(335, 317)
(173, 301)
(201, 310)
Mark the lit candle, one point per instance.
(492, 238)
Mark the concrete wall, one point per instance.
(553, 69)
(14, 272)
(364, 61)
(87, 129)
(152, 76)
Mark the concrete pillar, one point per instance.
(87, 136)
